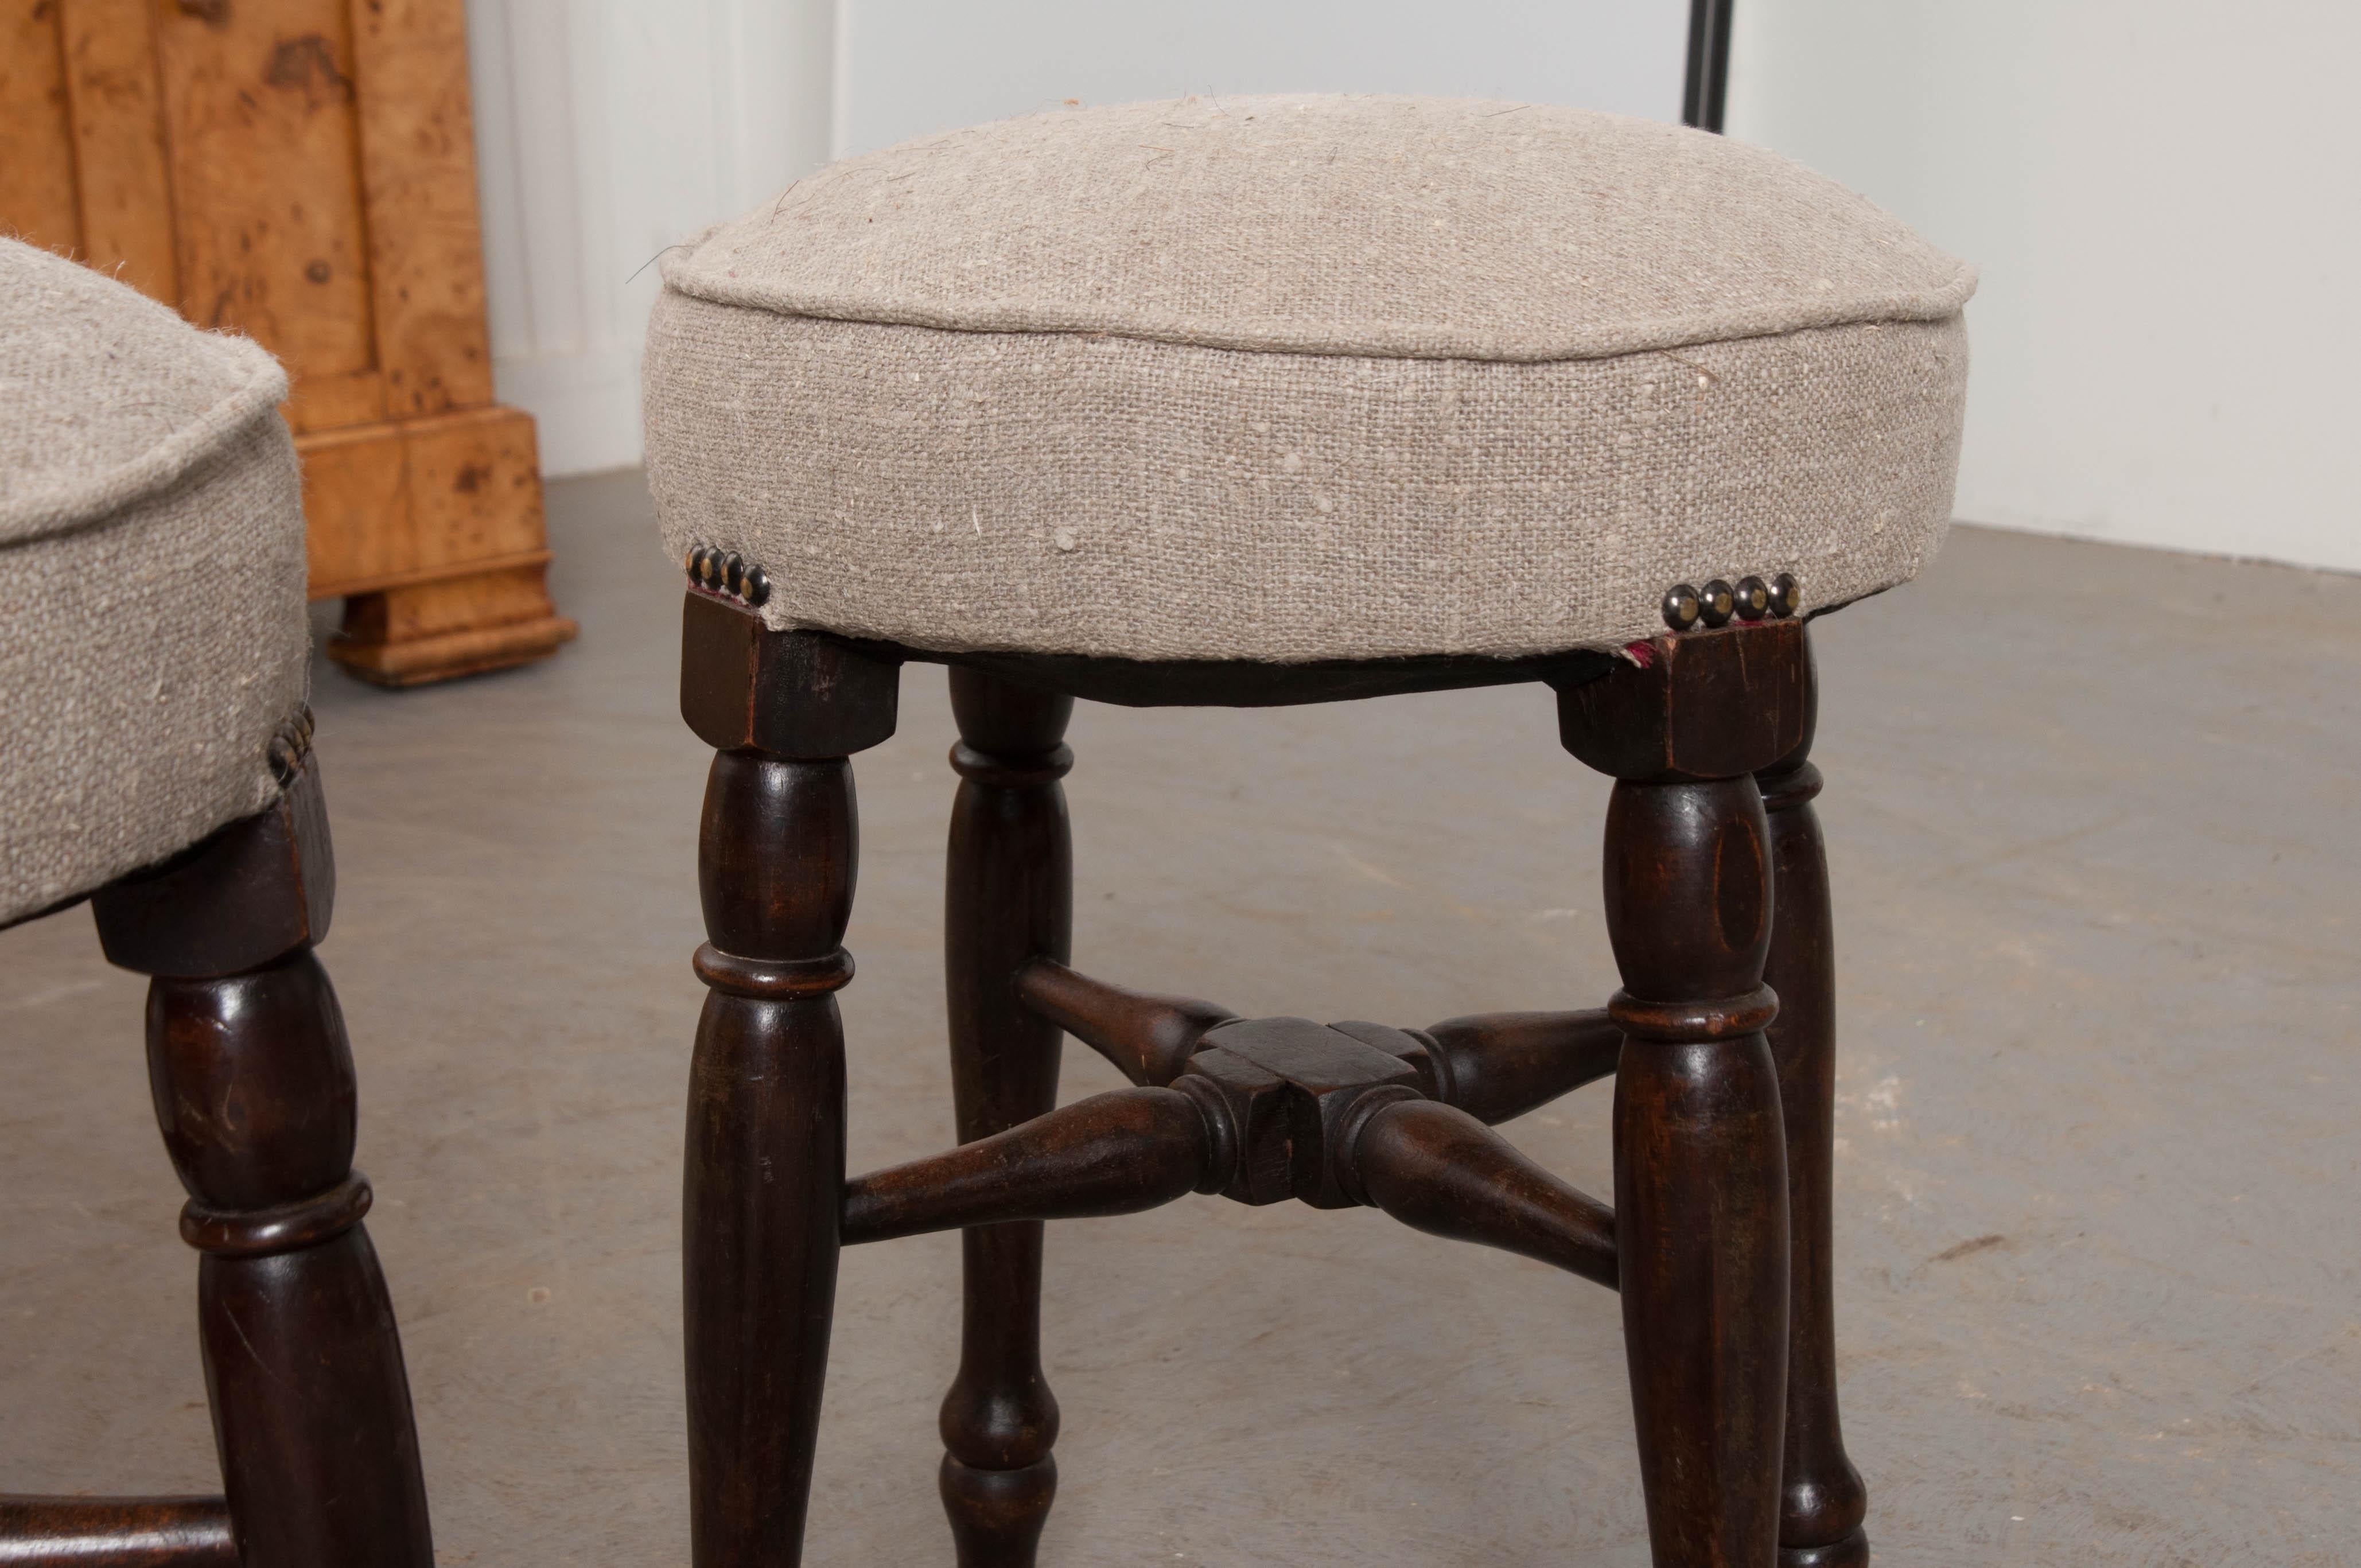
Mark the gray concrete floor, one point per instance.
(2092, 813)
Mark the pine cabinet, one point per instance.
(303, 172)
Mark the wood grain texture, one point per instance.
(1438, 1170)
(417, 633)
(1707, 705)
(1497, 1065)
(762, 1188)
(1701, 1200)
(253, 1092)
(1111, 1154)
(804, 695)
(1701, 1203)
(1265, 1109)
(263, 134)
(765, 1159)
(1009, 899)
(418, 173)
(302, 171)
(1259, 1110)
(38, 202)
(361, 530)
(1148, 1038)
(302, 1360)
(1822, 1498)
(260, 887)
(115, 1532)
(392, 502)
(123, 176)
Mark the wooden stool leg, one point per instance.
(1700, 1177)
(253, 1092)
(1009, 899)
(765, 1148)
(1700, 1167)
(1823, 1499)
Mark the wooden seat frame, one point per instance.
(1721, 1044)
(253, 1083)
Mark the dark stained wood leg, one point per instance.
(1700, 1173)
(115, 1532)
(1700, 1167)
(1823, 1501)
(766, 1149)
(1009, 899)
(254, 1090)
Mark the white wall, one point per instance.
(607, 129)
(2165, 199)
(908, 68)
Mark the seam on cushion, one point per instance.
(1641, 338)
(649, 380)
(61, 509)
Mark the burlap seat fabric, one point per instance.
(151, 579)
(1302, 378)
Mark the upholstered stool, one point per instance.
(159, 763)
(1281, 401)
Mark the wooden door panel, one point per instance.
(265, 145)
(122, 180)
(418, 166)
(303, 172)
(37, 184)
(405, 502)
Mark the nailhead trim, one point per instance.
(1714, 605)
(727, 573)
(1719, 602)
(289, 746)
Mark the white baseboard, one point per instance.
(586, 406)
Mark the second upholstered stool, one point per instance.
(159, 763)
(1267, 401)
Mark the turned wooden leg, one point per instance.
(1009, 899)
(1700, 1167)
(766, 1149)
(1823, 1500)
(254, 1090)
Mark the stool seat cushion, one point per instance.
(1303, 377)
(151, 572)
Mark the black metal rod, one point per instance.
(1708, 79)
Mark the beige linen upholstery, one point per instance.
(151, 579)
(1304, 378)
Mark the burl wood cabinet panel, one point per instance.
(303, 172)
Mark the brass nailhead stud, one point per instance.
(1786, 595)
(1753, 598)
(733, 571)
(758, 586)
(1681, 607)
(1717, 603)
